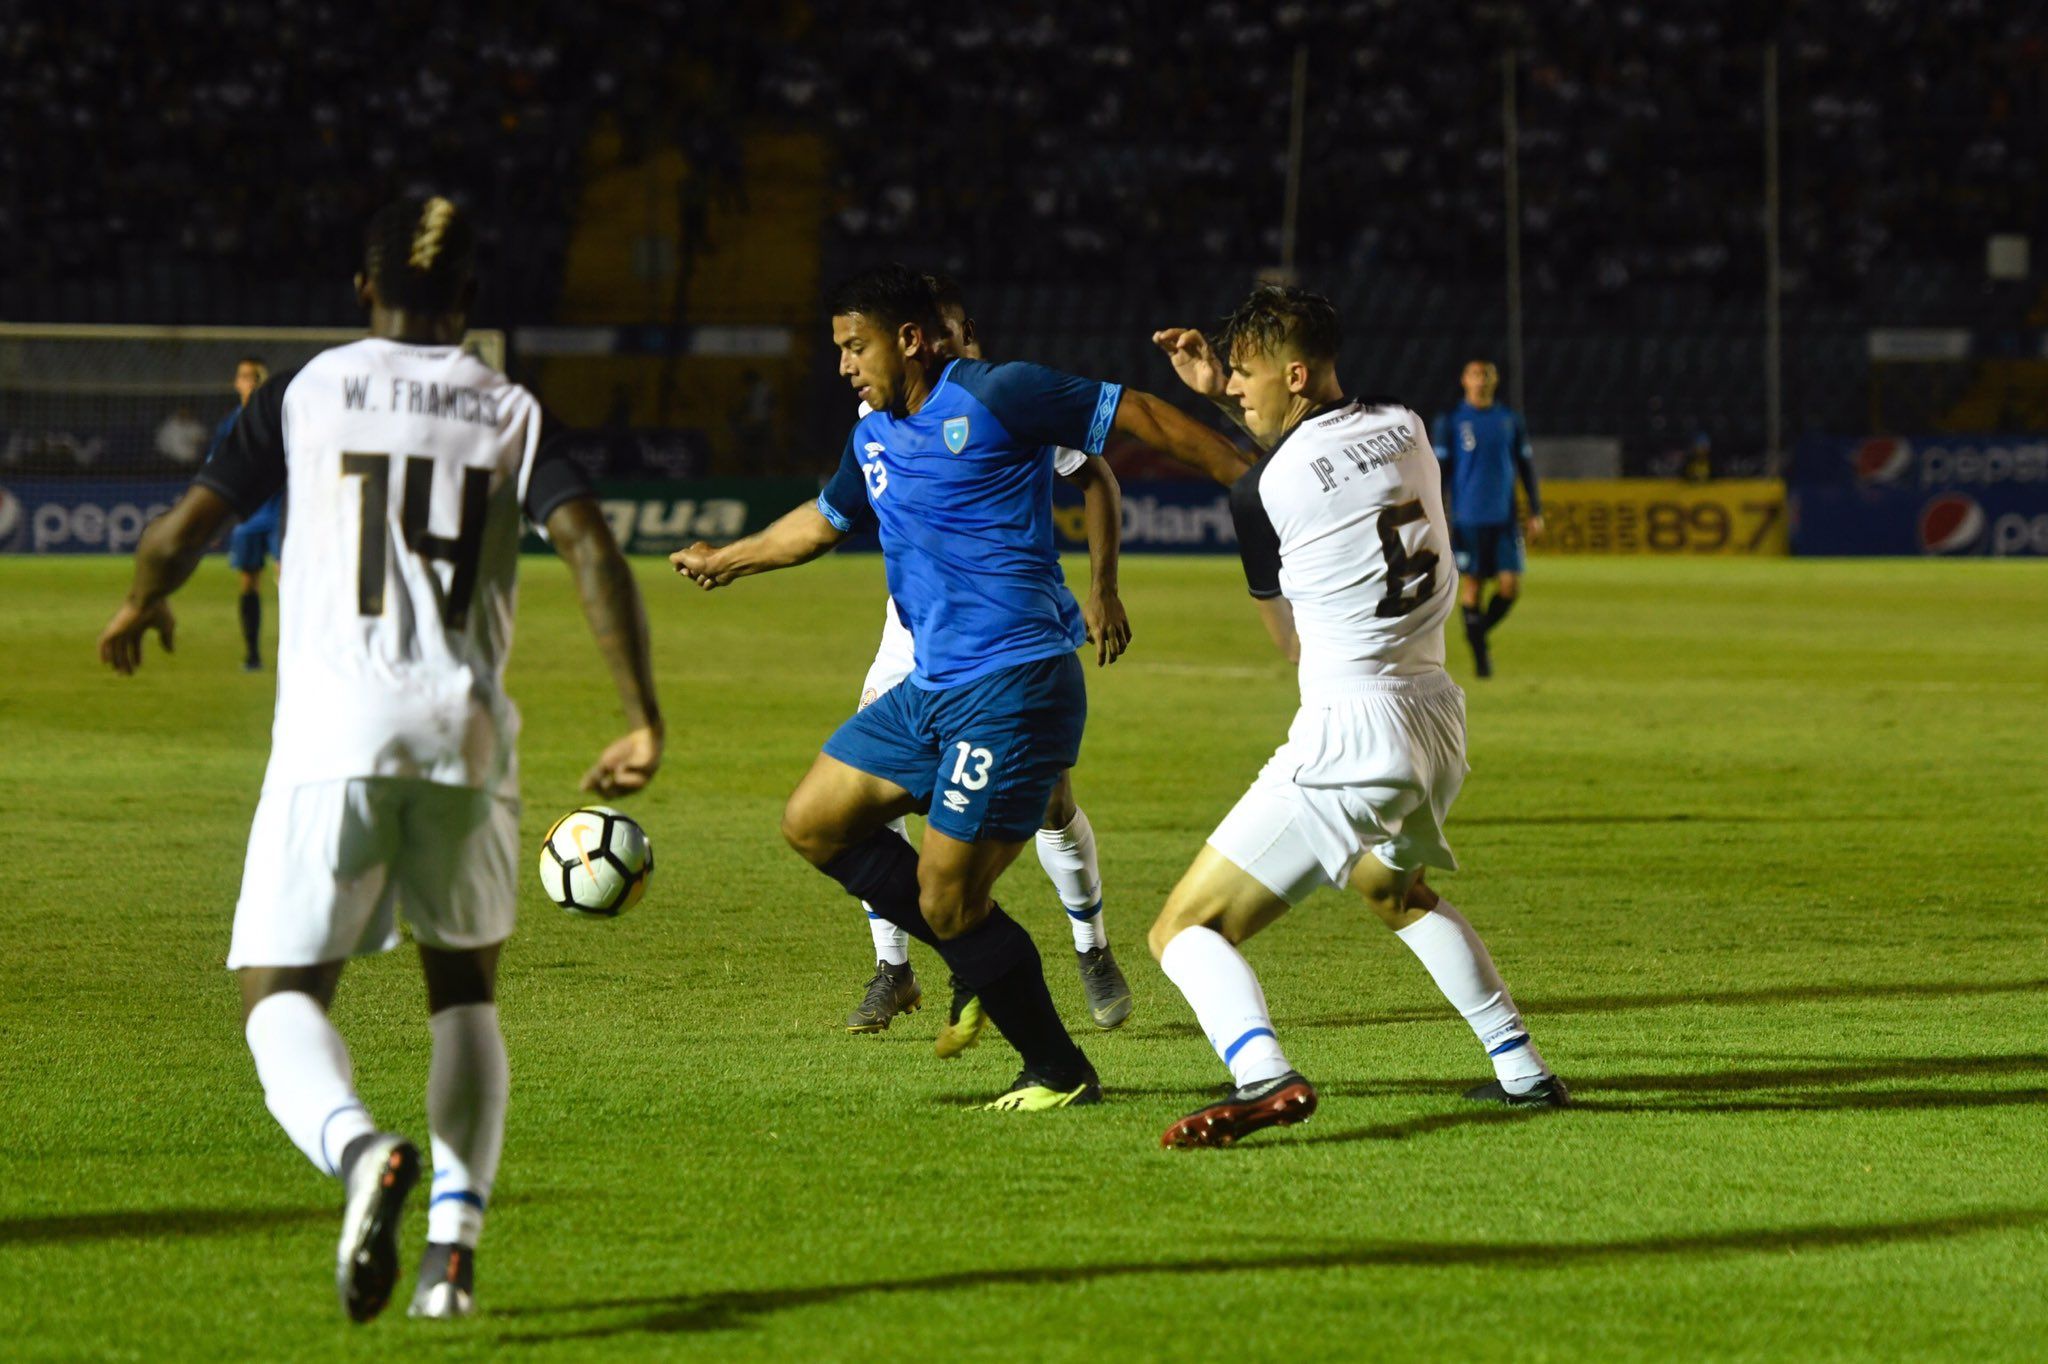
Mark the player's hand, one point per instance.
(1534, 526)
(699, 563)
(1109, 629)
(1194, 361)
(627, 765)
(121, 641)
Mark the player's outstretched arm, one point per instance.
(169, 550)
(1102, 499)
(618, 620)
(1166, 428)
(797, 538)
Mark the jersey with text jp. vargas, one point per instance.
(1345, 519)
(406, 471)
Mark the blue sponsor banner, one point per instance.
(2003, 519)
(1954, 461)
(80, 516)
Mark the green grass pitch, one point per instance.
(1757, 844)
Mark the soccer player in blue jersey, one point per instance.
(1484, 448)
(953, 468)
(255, 541)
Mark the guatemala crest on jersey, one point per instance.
(955, 433)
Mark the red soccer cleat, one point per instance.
(1279, 1102)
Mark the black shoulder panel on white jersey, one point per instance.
(557, 477)
(248, 467)
(1258, 543)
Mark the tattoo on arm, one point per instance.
(611, 605)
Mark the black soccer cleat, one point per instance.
(1549, 1092)
(447, 1282)
(1279, 1102)
(894, 990)
(378, 1171)
(1102, 981)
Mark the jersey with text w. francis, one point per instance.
(407, 472)
(961, 494)
(1345, 519)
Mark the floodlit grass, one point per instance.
(1757, 844)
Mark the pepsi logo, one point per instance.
(1951, 524)
(12, 521)
(1883, 459)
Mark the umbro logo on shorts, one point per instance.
(956, 801)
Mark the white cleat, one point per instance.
(447, 1284)
(379, 1177)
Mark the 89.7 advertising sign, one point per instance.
(1662, 516)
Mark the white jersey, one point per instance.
(406, 470)
(1345, 518)
(895, 658)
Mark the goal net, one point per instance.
(115, 402)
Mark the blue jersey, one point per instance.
(961, 492)
(1483, 450)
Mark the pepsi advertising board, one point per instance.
(80, 516)
(1940, 495)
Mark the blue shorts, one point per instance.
(1487, 551)
(980, 758)
(260, 534)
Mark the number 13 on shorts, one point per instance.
(970, 768)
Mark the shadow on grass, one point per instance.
(153, 1222)
(688, 1313)
(1779, 1090)
(1540, 1008)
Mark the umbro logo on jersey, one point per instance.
(956, 801)
(955, 432)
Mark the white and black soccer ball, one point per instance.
(596, 861)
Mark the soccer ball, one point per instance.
(596, 861)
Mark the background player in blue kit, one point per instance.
(257, 540)
(953, 467)
(1484, 448)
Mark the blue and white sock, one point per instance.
(308, 1082)
(1459, 963)
(1068, 856)
(468, 1082)
(1225, 995)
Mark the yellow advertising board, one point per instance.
(1662, 516)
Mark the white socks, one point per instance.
(467, 1084)
(1068, 856)
(1228, 1003)
(308, 1083)
(1459, 963)
(892, 944)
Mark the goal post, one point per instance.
(107, 401)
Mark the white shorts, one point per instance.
(330, 864)
(894, 659)
(1375, 772)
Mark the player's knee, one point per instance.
(804, 832)
(948, 909)
(1060, 807)
(1508, 585)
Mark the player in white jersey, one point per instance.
(409, 467)
(1066, 839)
(1341, 527)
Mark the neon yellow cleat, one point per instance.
(964, 1023)
(1030, 1094)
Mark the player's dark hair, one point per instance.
(420, 253)
(889, 296)
(946, 294)
(1277, 316)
